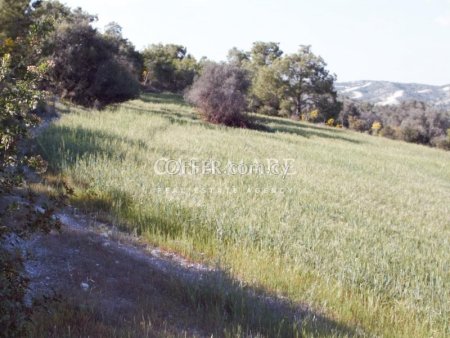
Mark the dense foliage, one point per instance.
(220, 94)
(297, 85)
(22, 68)
(410, 121)
(168, 68)
(300, 86)
(90, 67)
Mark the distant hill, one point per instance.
(392, 93)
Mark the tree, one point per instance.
(349, 109)
(124, 50)
(265, 93)
(113, 30)
(265, 53)
(113, 82)
(169, 67)
(411, 121)
(220, 94)
(89, 67)
(297, 84)
(306, 83)
(237, 57)
(15, 17)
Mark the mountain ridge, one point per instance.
(394, 93)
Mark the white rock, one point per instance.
(39, 209)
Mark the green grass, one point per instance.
(363, 236)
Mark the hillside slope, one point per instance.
(357, 231)
(392, 93)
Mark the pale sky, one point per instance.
(393, 40)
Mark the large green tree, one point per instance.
(88, 67)
(295, 84)
(264, 96)
(265, 53)
(15, 17)
(307, 84)
(169, 67)
(238, 57)
(266, 91)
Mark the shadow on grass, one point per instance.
(128, 282)
(212, 300)
(257, 122)
(216, 302)
(169, 114)
(168, 221)
(164, 98)
(271, 125)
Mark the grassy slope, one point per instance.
(363, 235)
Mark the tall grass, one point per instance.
(360, 232)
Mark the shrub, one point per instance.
(388, 132)
(88, 67)
(18, 96)
(411, 121)
(357, 124)
(14, 313)
(376, 127)
(220, 94)
(314, 115)
(441, 142)
(114, 82)
(413, 133)
(286, 109)
(330, 122)
(271, 111)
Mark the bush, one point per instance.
(413, 133)
(357, 124)
(376, 127)
(409, 121)
(114, 82)
(388, 132)
(441, 142)
(330, 122)
(18, 96)
(88, 67)
(271, 111)
(220, 94)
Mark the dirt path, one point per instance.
(124, 286)
(137, 290)
(115, 275)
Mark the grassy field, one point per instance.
(360, 233)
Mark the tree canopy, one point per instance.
(294, 84)
(169, 67)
